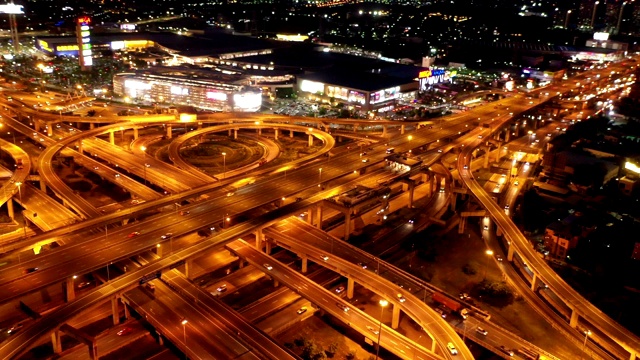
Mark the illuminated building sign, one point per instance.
(385, 95)
(312, 86)
(12, 9)
(84, 42)
(434, 76)
(214, 95)
(129, 27)
(248, 101)
(137, 85)
(603, 36)
(297, 38)
(177, 90)
(338, 92)
(356, 96)
(632, 167)
(44, 46)
(62, 48)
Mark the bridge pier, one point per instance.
(112, 137)
(43, 186)
(291, 134)
(350, 286)
(10, 209)
(534, 282)
(115, 311)
(55, 342)
(70, 290)
(135, 133)
(395, 316)
(319, 217)
(310, 214)
(454, 197)
(510, 251)
(159, 250)
(169, 131)
(485, 163)
(402, 129)
(355, 127)
(347, 225)
(310, 141)
(49, 130)
(267, 248)
(573, 322)
(199, 125)
(36, 125)
(235, 134)
(462, 224)
(305, 264)
(79, 145)
(384, 130)
(275, 132)
(259, 239)
(92, 126)
(260, 131)
(188, 271)
(410, 186)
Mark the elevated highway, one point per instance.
(334, 305)
(19, 174)
(580, 307)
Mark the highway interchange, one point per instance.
(83, 254)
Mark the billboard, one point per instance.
(85, 54)
(434, 76)
(11, 9)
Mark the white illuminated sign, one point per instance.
(11, 9)
(250, 101)
(176, 90)
(117, 45)
(311, 86)
(632, 167)
(88, 61)
(214, 95)
(603, 36)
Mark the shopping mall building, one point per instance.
(186, 89)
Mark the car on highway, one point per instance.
(464, 296)
(401, 298)
(324, 257)
(133, 234)
(185, 212)
(95, 168)
(506, 350)
(344, 308)
(151, 286)
(30, 270)
(230, 193)
(15, 328)
(302, 310)
(441, 312)
(482, 331)
(365, 160)
(439, 150)
(166, 236)
(516, 183)
(117, 175)
(486, 227)
(452, 349)
(465, 167)
(125, 331)
(267, 266)
(372, 329)
(363, 154)
(506, 207)
(364, 266)
(339, 289)
(84, 284)
(411, 221)
(135, 202)
(499, 257)
(222, 288)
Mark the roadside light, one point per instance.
(228, 219)
(184, 322)
(75, 277)
(158, 245)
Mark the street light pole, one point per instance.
(224, 165)
(486, 264)
(584, 345)
(24, 219)
(319, 176)
(184, 334)
(383, 304)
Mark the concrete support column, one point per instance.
(499, 151)
(93, 351)
(50, 130)
(127, 313)
(350, 285)
(534, 282)
(169, 131)
(291, 133)
(510, 251)
(347, 225)
(235, 134)
(70, 290)
(188, 268)
(229, 132)
(159, 249)
(199, 125)
(259, 239)
(319, 217)
(115, 312)
(507, 135)
(36, 125)
(454, 197)
(462, 224)
(55, 342)
(498, 231)
(275, 132)
(395, 316)
(79, 145)
(112, 137)
(632, 357)
(355, 127)
(412, 189)
(401, 129)
(260, 131)
(310, 141)
(267, 248)
(573, 322)
(485, 163)
(10, 209)
(136, 133)
(384, 130)
(43, 186)
(92, 126)
(310, 214)
(276, 283)
(305, 261)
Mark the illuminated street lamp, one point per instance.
(224, 164)
(319, 176)
(383, 304)
(486, 265)
(566, 20)
(144, 150)
(184, 335)
(587, 333)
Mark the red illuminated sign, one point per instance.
(84, 20)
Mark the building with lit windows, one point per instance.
(182, 88)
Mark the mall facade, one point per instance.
(188, 91)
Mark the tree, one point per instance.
(351, 355)
(332, 349)
(91, 113)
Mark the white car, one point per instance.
(372, 329)
(268, 267)
(324, 257)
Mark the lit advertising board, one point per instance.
(84, 42)
(45, 46)
(311, 86)
(602, 36)
(632, 167)
(129, 27)
(247, 101)
(434, 76)
(385, 95)
(11, 9)
(215, 95)
(356, 96)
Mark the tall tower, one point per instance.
(85, 55)
(13, 10)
